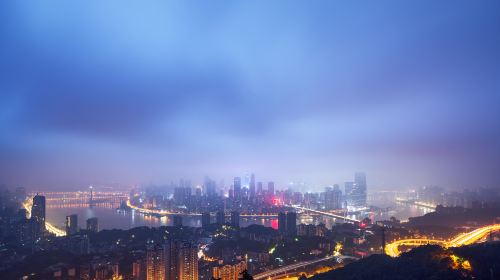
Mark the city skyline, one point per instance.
(100, 93)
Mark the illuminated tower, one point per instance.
(91, 199)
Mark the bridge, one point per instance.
(429, 206)
(162, 212)
(81, 198)
(347, 219)
(467, 238)
(284, 269)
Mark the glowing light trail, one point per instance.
(467, 238)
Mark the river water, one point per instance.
(110, 218)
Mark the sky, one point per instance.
(142, 92)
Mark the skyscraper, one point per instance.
(251, 186)
(360, 185)
(177, 221)
(171, 255)
(282, 223)
(155, 263)
(205, 219)
(291, 224)
(220, 218)
(270, 188)
(235, 219)
(237, 188)
(71, 224)
(333, 198)
(92, 225)
(38, 214)
(188, 262)
(259, 188)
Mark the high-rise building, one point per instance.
(38, 215)
(361, 189)
(270, 188)
(177, 221)
(282, 223)
(136, 270)
(333, 198)
(356, 192)
(220, 218)
(235, 219)
(92, 224)
(188, 261)
(237, 188)
(171, 255)
(71, 224)
(229, 271)
(251, 186)
(259, 188)
(205, 219)
(210, 187)
(155, 263)
(291, 224)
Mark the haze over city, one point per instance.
(101, 93)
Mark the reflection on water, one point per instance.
(110, 218)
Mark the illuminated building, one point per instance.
(188, 262)
(360, 188)
(92, 225)
(229, 272)
(38, 214)
(136, 270)
(155, 263)
(171, 253)
(235, 219)
(205, 219)
(71, 224)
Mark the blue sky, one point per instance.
(118, 91)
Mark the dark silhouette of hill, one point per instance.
(425, 262)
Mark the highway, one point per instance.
(347, 219)
(291, 267)
(466, 238)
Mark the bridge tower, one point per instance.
(91, 199)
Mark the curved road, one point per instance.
(466, 238)
(291, 267)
